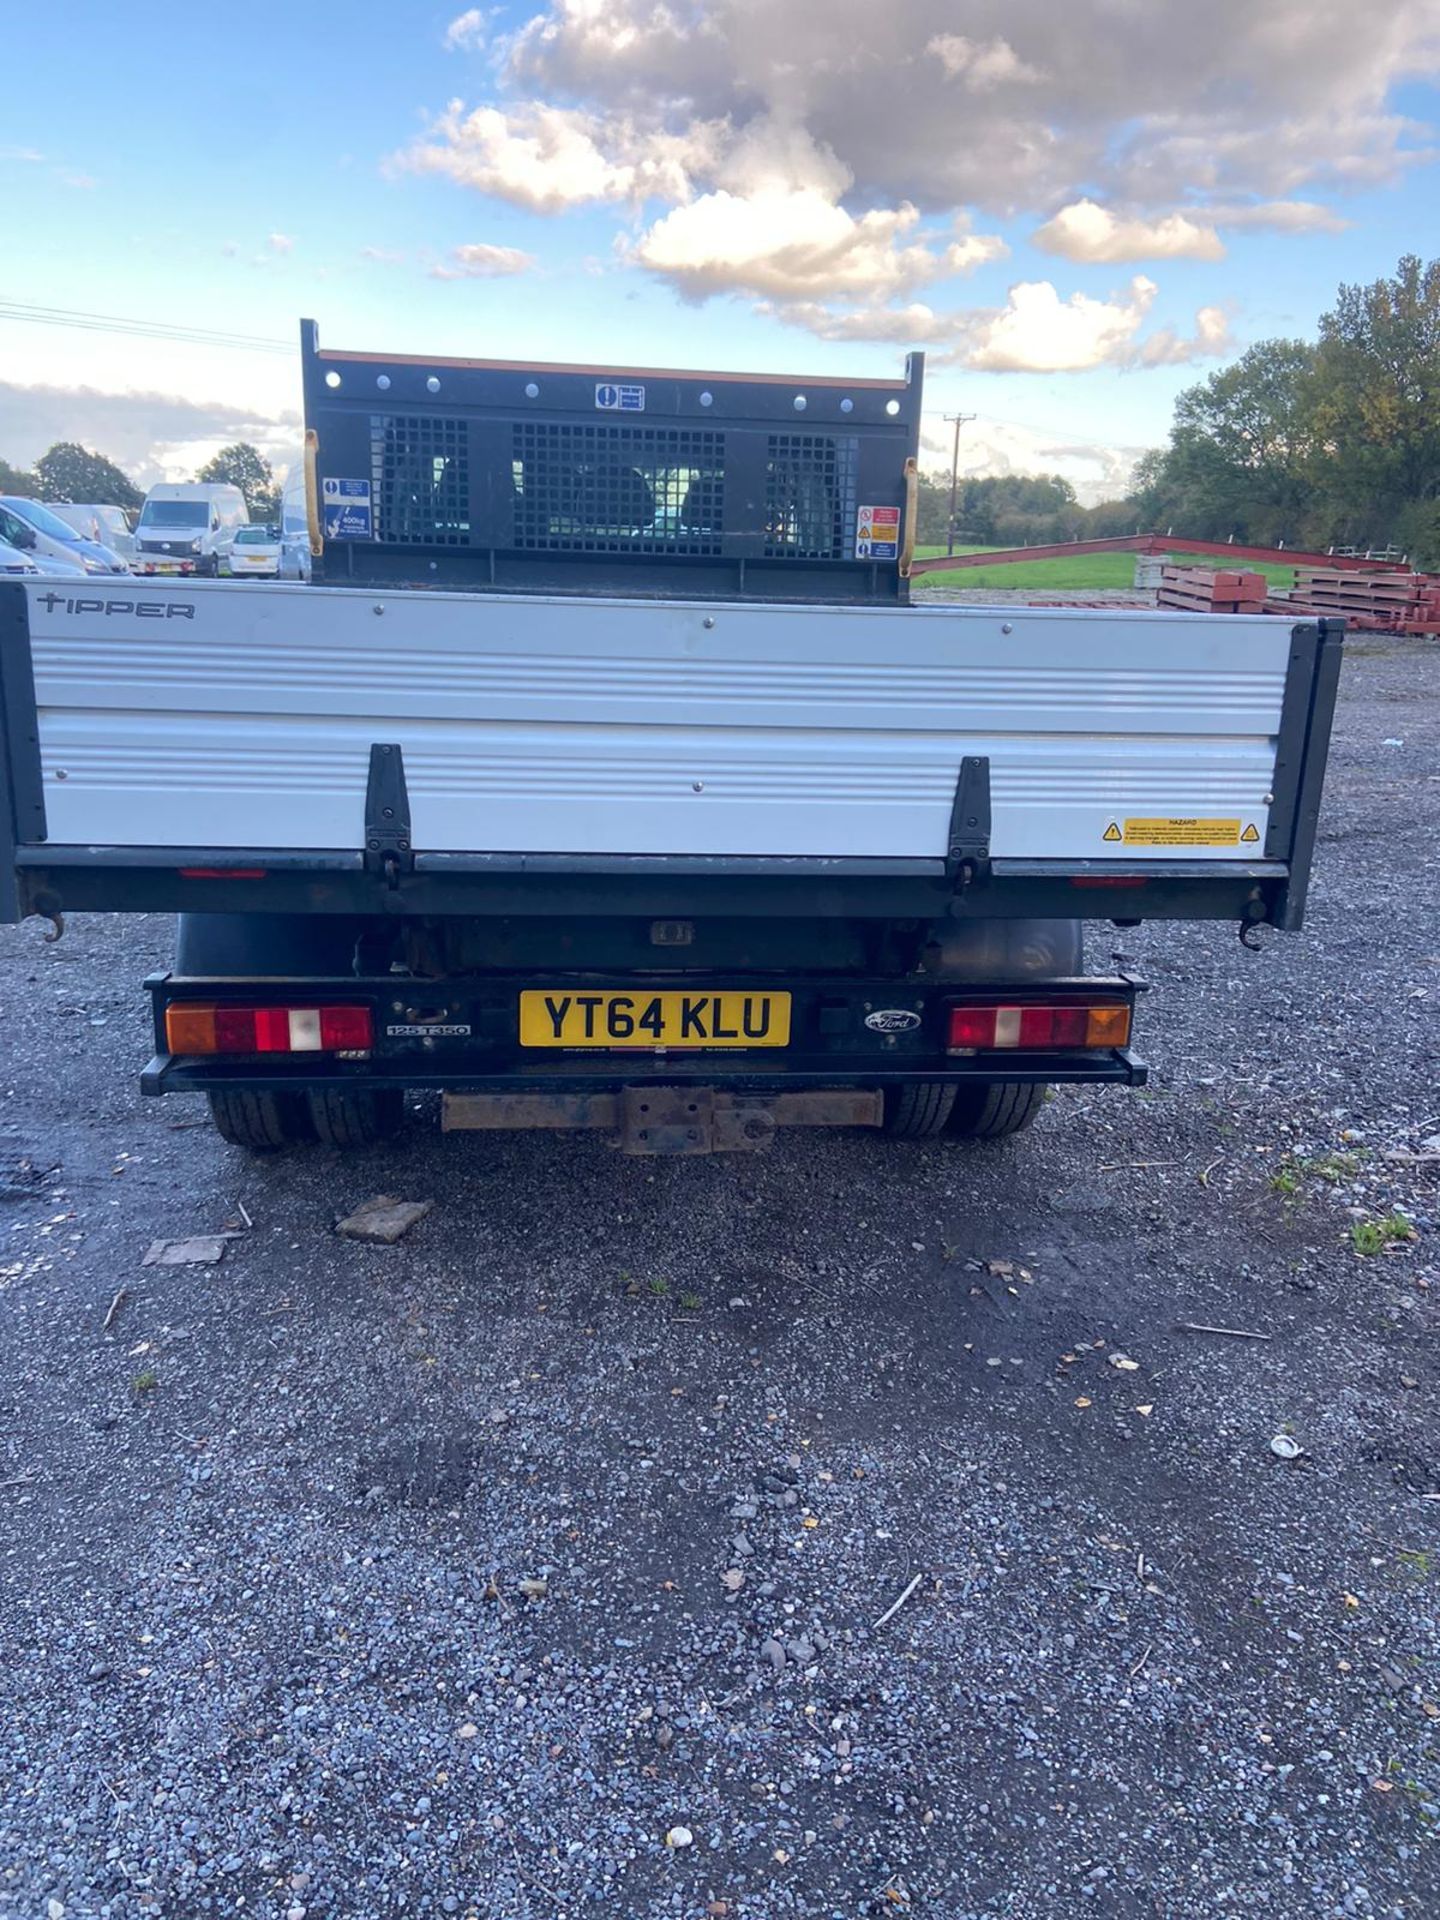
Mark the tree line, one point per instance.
(1334, 441)
(69, 473)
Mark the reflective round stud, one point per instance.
(332, 379)
(707, 399)
(382, 380)
(532, 392)
(847, 406)
(432, 385)
(892, 407)
(800, 403)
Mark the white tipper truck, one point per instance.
(606, 777)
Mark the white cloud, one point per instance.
(980, 65)
(1088, 232)
(479, 261)
(915, 325)
(385, 256)
(1211, 340)
(793, 244)
(1276, 216)
(797, 154)
(548, 159)
(27, 156)
(988, 447)
(281, 243)
(153, 436)
(467, 32)
(1038, 332)
(949, 103)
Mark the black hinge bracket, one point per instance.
(387, 816)
(968, 852)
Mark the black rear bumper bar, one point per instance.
(472, 1043)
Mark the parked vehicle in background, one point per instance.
(188, 527)
(108, 525)
(254, 553)
(36, 530)
(13, 561)
(295, 563)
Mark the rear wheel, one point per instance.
(995, 1108)
(918, 1110)
(263, 1122)
(345, 1118)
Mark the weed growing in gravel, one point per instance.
(1335, 1167)
(1292, 1172)
(691, 1302)
(1374, 1236)
(660, 1288)
(145, 1382)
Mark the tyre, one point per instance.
(264, 1122)
(992, 1109)
(918, 1110)
(345, 1118)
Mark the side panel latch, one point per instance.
(388, 851)
(968, 852)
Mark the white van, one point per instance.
(294, 527)
(188, 527)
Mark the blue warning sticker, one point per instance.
(345, 510)
(616, 396)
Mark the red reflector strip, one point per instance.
(1052, 1029)
(1108, 880)
(192, 1027)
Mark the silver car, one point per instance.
(105, 525)
(14, 563)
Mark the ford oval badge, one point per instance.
(892, 1020)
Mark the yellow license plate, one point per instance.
(581, 1018)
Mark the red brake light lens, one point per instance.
(1048, 1029)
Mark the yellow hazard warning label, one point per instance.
(1179, 833)
(1251, 834)
(1112, 832)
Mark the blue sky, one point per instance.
(1077, 214)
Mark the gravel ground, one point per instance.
(451, 1578)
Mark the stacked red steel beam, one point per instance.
(1212, 590)
(1372, 602)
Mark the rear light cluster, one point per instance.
(194, 1028)
(1043, 1029)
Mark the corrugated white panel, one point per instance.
(541, 725)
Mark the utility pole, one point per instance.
(959, 420)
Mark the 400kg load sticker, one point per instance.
(1180, 831)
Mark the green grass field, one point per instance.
(1087, 572)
